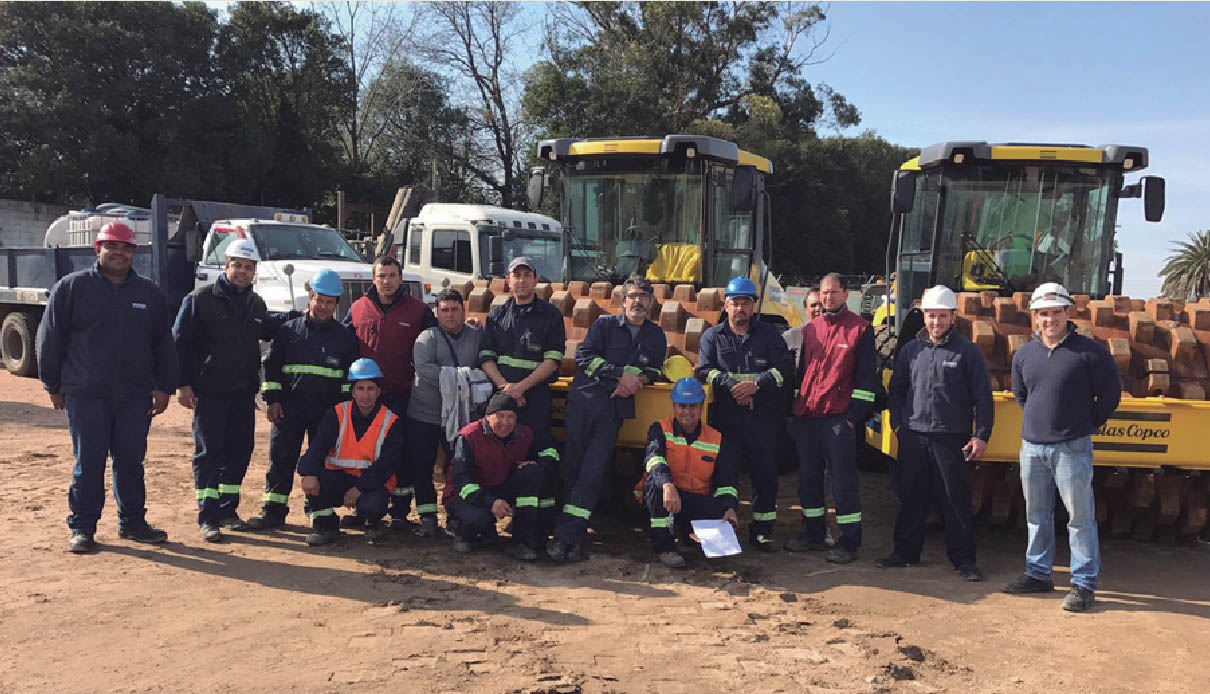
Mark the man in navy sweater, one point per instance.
(1068, 385)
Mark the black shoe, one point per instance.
(428, 527)
(521, 552)
(1079, 599)
(575, 553)
(211, 533)
(320, 538)
(81, 542)
(1028, 584)
(970, 573)
(233, 522)
(557, 550)
(893, 561)
(399, 524)
(839, 555)
(463, 546)
(763, 543)
(266, 521)
(803, 543)
(352, 522)
(672, 560)
(375, 534)
(143, 533)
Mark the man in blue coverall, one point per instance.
(106, 356)
(747, 362)
(619, 356)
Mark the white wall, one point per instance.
(25, 223)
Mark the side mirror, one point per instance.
(743, 188)
(495, 255)
(536, 188)
(903, 192)
(1153, 198)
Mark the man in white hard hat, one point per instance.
(1068, 386)
(217, 333)
(940, 398)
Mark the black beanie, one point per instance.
(499, 402)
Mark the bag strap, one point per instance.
(449, 343)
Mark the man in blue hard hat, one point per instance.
(304, 377)
(218, 333)
(690, 472)
(620, 355)
(352, 459)
(747, 362)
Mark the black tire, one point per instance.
(17, 343)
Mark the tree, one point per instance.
(1187, 271)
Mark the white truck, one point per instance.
(459, 243)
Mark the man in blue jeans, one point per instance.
(1068, 385)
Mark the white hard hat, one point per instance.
(939, 297)
(242, 248)
(1050, 295)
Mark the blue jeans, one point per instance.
(102, 427)
(1067, 466)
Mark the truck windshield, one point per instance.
(624, 214)
(545, 250)
(1012, 227)
(302, 242)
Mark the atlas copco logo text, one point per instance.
(1141, 432)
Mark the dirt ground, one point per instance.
(262, 612)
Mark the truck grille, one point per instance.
(351, 291)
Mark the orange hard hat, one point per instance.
(115, 231)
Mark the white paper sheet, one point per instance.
(717, 538)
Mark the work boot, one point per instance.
(464, 546)
(211, 533)
(399, 524)
(143, 533)
(352, 522)
(81, 542)
(266, 520)
(557, 550)
(233, 522)
(764, 543)
(575, 553)
(803, 543)
(428, 527)
(893, 561)
(839, 555)
(319, 538)
(521, 551)
(375, 534)
(1028, 584)
(970, 572)
(672, 560)
(1079, 599)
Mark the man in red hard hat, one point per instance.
(106, 356)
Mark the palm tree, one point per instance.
(1187, 272)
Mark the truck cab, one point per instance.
(456, 243)
(292, 251)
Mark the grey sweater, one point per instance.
(430, 354)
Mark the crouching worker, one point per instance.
(352, 460)
(690, 473)
(497, 471)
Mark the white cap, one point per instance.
(242, 248)
(939, 297)
(1050, 295)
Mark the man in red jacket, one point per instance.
(835, 399)
(387, 322)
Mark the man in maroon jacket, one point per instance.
(835, 399)
(387, 322)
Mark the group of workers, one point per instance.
(377, 394)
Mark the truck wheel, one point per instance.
(17, 336)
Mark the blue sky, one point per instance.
(1088, 73)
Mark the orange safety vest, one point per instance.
(692, 464)
(351, 455)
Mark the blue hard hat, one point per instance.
(688, 391)
(364, 369)
(740, 286)
(326, 282)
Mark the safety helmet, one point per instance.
(740, 286)
(115, 231)
(939, 297)
(326, 282)
(1050, 295)
(242, 248)
(364, 369)
(688, 391)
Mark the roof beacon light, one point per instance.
(690, 152)
(1128, 163)
(959, 158)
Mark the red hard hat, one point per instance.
(115, 231)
